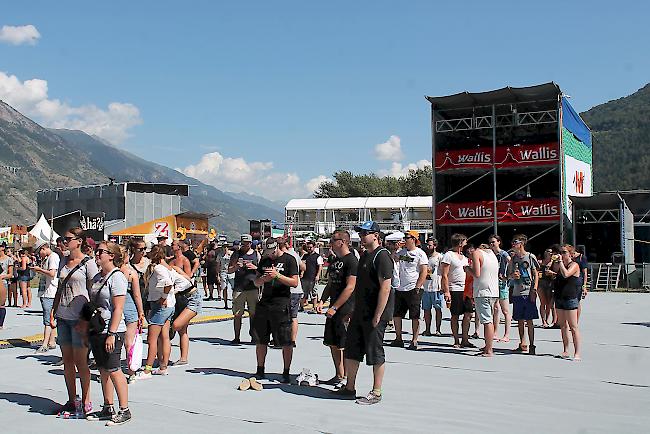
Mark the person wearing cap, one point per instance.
(373, 308)
(47, 290)
(413, 265)
(277, 274)
(243, 263)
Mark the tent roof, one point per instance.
(43, 231)
(505, 95)
(360, 203)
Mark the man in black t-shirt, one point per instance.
(313, 265)
(373, 308)
(342, 276)
(277, 273)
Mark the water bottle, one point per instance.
(78, 406)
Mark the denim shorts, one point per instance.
(47, 304)
(504, 293)
(567, 303)
(66, 333)
(432, 300)
(159, 315)
(195, 302)
(130, 311)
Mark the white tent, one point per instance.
(43, 231)
(354, 236)
(395, 236)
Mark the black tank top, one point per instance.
(567, 287)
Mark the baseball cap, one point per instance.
(270, 244)
(246, 238)
(236, 243)
(161, 237)
(435, 241)
(368, 226)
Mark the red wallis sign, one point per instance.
(538, 210)
(506, 156)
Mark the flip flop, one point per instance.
(254, 384)
(560, 356)
(245, 384)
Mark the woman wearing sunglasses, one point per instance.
(108, 294)
(75, 279)
(567, 293)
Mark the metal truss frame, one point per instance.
(485, 122)
(592, 216)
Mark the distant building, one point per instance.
(123, 204)
(323, 216)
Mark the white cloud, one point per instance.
(390, 150)
(31, 98)
(397, 169)
(18, 35)
(257, 177)
(312, 184)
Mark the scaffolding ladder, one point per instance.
(609, 276)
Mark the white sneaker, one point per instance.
(159, 371)
(303, 375)
(143, 375)
(310, 380)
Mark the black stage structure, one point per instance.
(506, 162)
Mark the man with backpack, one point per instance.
(373, 308)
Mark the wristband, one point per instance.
(110, 333)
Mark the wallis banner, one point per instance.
(520, 211)
(506, 156)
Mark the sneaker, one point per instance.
(122, 417)
(143, 375)
(235, 341)
(531, 349)
(286, 378)
(311, 380)
(397, 343)
(107, 412)
(369, 399)
(260, 375)
(132, 379)
(427, 334)
(413, 346)
(162, 372)
(344, 393)
(303, 375)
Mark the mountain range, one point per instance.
(33, 157)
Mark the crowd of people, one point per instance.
(97, 298)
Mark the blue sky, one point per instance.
(279, 93)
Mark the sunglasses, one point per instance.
(514, 243)
(564, 252)
(68, 239)
(98, 252)
(141, 249)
